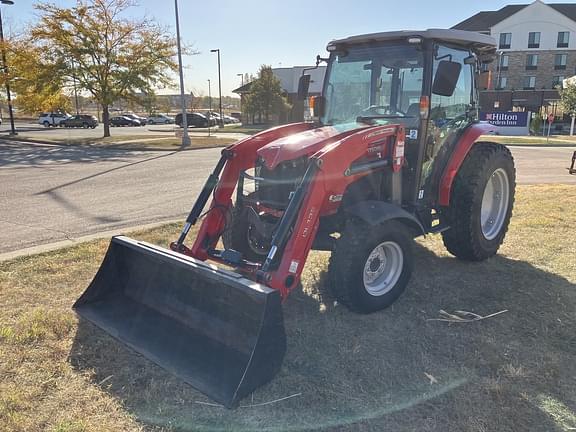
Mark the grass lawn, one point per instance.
(247, 129)
(141, 142)
(391, 371)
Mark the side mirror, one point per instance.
(303, 86)
(484, 80)
(446, 78)
(317, 105)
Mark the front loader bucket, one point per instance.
(214, 329)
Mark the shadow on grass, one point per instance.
(394, 370)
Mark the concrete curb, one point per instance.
(50, 247)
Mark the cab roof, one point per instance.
(476, 41)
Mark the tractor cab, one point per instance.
(427, 81)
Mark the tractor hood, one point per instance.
(304, 143)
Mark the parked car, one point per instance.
(83, 120)
(141, 120)
(230, 120)
(215, 117)
(52, 119)
(195, 119)
(124, 121)
(160, 119)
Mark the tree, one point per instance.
(568, 102)
(110, 56)
(34, 79)
(266, 95)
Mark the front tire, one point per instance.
(371, 265)
(239, 237)
(481, 203)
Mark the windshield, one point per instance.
(374, 84)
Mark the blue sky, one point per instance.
(281, 34)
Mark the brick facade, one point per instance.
(520, 31)
(544, 71)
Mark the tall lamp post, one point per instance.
(242, 85)
(209, 106)
(75, 89)
(5, 67)
(185, 137)
(219, 86)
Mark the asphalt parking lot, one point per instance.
(36, 131)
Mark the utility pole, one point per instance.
(185, 137)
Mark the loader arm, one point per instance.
(239, 157)
(330, 174)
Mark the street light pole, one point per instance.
(185, 137)
(242, 85)
(75, 89)
(219, 86)
(209, 106)
(5, 68)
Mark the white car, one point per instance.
(52, 119)
(160, 119)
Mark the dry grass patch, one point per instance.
(393, 370)
(139, 142)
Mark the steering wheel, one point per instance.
(381, 110)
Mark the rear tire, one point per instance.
(480, 203)
(371, 265)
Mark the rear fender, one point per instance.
(241, 156)
(379, 212)
(468, 139)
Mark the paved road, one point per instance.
(49, 193)
(543, 165)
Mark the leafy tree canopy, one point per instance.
(568, 99)
(110, 56)
(266, 95)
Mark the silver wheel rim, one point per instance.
(495, 204)
(383, 268)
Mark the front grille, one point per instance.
(273, 187)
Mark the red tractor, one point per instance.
(394, 152)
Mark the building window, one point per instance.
(563, 39)
(501, 84)
(532, 62)
(529, 83)
(557, 81)
(504, 59)
(534, 40)
(505, 40)
(560, 61)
